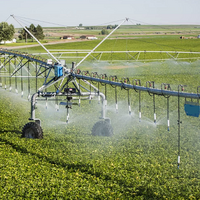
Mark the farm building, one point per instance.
(68, 37)
(89, 37)
(8, 42)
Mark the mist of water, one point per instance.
(120, 118)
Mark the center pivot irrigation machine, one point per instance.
(57, 76)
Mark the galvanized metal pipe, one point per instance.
(139, 88)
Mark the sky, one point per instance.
(98, 12)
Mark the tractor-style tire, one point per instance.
(32, 130)
(102, 128)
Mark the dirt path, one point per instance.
(35, 45)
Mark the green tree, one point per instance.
(24, 35)
(6, 31)
(104, 32)
(109, 27)
(39, 33)
(33, 30)
(36, 31)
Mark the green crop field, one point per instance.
(152, 43)
(144, 44)
(138, 162)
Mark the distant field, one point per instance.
(144, 44)
(54, 33)
(127, 38)
(131, 28)
(168, 43)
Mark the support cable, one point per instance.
(37, 41)
(101, 42)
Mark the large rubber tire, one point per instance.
(102, 128)
(32, 130)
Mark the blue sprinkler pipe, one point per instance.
(139, 88)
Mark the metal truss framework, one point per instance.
(138, 56)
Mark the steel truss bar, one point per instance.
(26, 56)
(133, 57)
(5, 63)
(19, 68)
(86, 51)
(136, 57)
(38, 74)
(29, 58)
(20, 76)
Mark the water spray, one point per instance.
(166, 86)
(127, 81)
(136, 82)
(150, 84)
(114, 78)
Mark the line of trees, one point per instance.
(104, 31)
(6, 31)
(98, 27)
(36, 31)
(111, 26)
